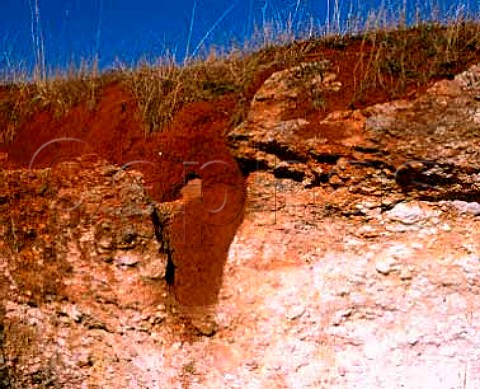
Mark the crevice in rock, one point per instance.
(160, 220)
(281, 151)
(329, 158)
(460, 194)
(285, 171)
(370, 150)
(170, 270)
(157, 225)
(248, 166)
(4, 373)
(433, 176)
(376, 163)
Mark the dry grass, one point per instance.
(415, 55)
(58, 95)
(402, 56)
(161, 90)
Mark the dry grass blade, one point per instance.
(391, 59)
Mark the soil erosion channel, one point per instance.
(192, 146)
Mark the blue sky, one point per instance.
(129, 30)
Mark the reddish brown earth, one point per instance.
(194, 144)
(114, 130)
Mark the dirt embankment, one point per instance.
(341, 251)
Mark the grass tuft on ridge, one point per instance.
(389, 60)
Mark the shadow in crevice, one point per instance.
(201, 237)
(4, 370)
(196, 237)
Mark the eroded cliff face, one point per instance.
(82, 266)
(349, 257)
(427, 147)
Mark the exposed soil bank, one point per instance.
(193, 144)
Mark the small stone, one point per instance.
(93, 323)
(397, 228)
(413, 337)
(73, 313)
(157, 318)
(340, 315)
(370, 204)
(383, 267)
(126, 260)
(128, 238)
(205, 327)
(110, 170)
(61, 342)
(154, 268)
(467, 208)
(343, 291)
(417, 246)
(335, 180)
(105, 243)
(295, 312)
(368, 231)
(84, 358)
(410, 214)
(445, 227)
(412, 340)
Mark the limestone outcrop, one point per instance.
(352, 258)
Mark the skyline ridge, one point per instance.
(74, 31)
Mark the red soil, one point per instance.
(193, 142)
(114, 131)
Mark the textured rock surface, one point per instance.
(356, 265)
(427, 148)
(84, 273)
